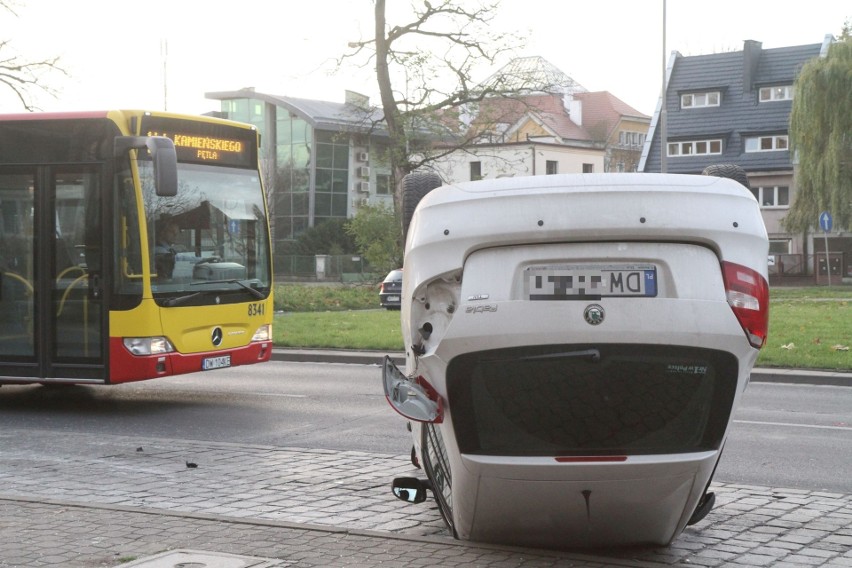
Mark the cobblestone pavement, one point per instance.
(73, 500)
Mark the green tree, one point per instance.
(821, 138)
(327, 237)
(377, 234)
(23, 76)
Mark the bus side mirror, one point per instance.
(163, 155)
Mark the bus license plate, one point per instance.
(216, 362)
(590, 281)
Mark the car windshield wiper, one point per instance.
(254, 291)
(592, 355)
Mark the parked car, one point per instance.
(575, 348)
(390, 290)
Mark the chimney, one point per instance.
(574, 108)
(357, 100)
(751, 57)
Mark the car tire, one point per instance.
(415, 186)
(730, 171)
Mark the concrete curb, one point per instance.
(357, 357)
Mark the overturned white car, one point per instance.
(575, 347)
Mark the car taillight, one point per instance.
(748, 295)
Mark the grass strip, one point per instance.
(809, 328)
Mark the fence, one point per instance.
(324, 268)
(784, 269)
(810, 270)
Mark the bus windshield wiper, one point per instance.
(254, 291)
(178, 300)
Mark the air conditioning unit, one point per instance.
(363, 186)
(362, 157)
(364, 171)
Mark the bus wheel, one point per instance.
(415, 186)
(731, 171)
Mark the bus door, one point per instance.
(52, 318)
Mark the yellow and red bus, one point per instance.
(133, 245)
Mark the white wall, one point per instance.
(516, 160)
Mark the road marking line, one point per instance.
(793, 425)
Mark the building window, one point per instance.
(780, 93)
(626, 138)
(766, 143)
(383, 185)
(588, 168)
(775, 196)
(551, 167)
(779, 246)
(700, 100)
(695, 148)
(475, 171)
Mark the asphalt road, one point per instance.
(791, 436)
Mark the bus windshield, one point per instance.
(208, 244)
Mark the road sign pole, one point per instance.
(825, 222)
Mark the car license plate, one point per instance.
(589, 281)
(216, 362)
(393, 298)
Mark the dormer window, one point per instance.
(695, 148)
(700, 100)
(779, 93)
(766, 143)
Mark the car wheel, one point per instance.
(414, 187)
(731, 171)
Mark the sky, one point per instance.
(166, 54)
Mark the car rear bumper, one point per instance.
(540, 502)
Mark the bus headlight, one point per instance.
(263, 333)
(148, 345)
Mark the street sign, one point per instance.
(825, 225)
(825, 221)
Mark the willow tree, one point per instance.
(821, 139)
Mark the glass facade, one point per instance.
(332, 176)
(313, 171)
(304, 158)
(292, 183)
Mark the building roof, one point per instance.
(546, 96)
(604, 108)
(323, 115)
(531, 75)
(738, 77)
(553, 112)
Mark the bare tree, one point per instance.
(23, 76)
(436, 55)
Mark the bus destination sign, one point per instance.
(205, 143)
